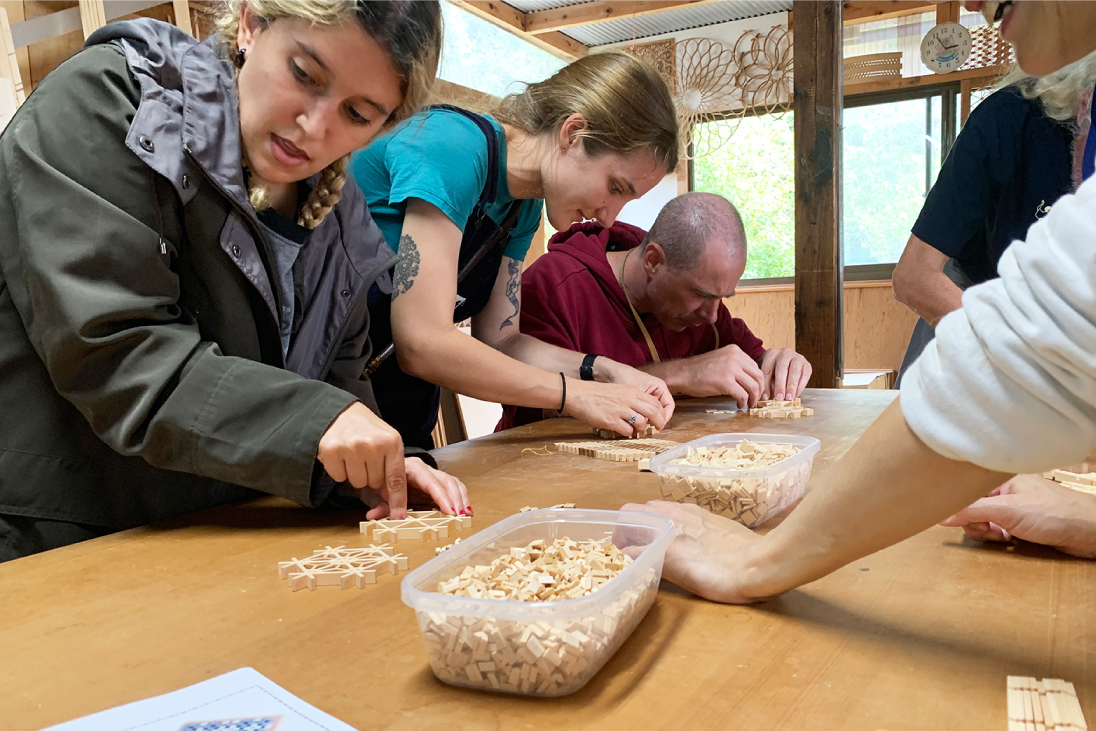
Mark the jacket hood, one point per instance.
(173, 68)
(587, 243)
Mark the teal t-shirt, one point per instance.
(438, 156)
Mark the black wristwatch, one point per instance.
(586, 370)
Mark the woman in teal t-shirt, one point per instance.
(459, 196)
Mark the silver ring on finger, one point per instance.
(632, 421)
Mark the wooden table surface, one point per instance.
(919, 636)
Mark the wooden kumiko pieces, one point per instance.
(630, 450)
(547, 658)
(1075, 479)
(417, 526)
(791, 409)
(650, 431)
(747, 500)
(1049, 704)
(442, 549)
(527, 508)
(341, 566)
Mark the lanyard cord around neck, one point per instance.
(639, 320)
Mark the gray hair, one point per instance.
(689, 222)
(1061, 91)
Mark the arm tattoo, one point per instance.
(513, 287)
(407, 267)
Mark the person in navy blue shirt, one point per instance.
(1014, 158)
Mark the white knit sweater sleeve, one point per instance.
(1009, 383)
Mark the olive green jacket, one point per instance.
(141, 370)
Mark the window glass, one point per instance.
(755, 171)
(483, 57)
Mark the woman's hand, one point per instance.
(427, 489)
(361, 449)
(1036, 510)
(628, 376)
(611, 406)
(709, 555)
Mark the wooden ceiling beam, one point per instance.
(513, 21)
(868, 11)
(546, 21)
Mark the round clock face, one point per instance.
(945, 47)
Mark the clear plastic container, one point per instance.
(542, 649)
(749, 495)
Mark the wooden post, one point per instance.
(181, 8)
(818, 87)
(93, 16)
(947, 12)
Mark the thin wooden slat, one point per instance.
(512, 20)
(854, 12)
(947, 12)
(9, 61)
(818, 258)
(93, 16)
(181, 9)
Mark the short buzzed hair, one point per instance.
(688, 222)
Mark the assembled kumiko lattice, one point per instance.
(417, 526)
(625, 450)
(650, 431)
(791, 409)
(342, 567)
(1077, 478)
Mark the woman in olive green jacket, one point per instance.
(175, 331)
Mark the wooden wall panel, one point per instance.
(877, 326)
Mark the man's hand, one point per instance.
(426, 487)
(1034, 509)
(786, 373)
(727, 371)
(709, 555)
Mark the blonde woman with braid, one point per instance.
(183, 272)
(460, 196)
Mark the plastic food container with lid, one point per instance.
(750, 495)
(537, 648)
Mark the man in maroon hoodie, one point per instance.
(655, 301)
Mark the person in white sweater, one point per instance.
(1008, 386)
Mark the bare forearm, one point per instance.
(932, 297)
(674, 373)
(538, 353)
(464, 365)
(888, 487)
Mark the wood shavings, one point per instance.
(750, 501)
(629, 450)
(535, 451)
(1046, 705)
(442, 549)
(791, 409)
(722, 411)
(342, 567)
(546, 658)
(417, 526)
(650, 431)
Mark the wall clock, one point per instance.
(945, 48)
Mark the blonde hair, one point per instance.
(626, 103)
(1061, 92)
(409, 30)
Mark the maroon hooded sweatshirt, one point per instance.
(570, 297)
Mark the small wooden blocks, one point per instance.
(630, 450)
(792, 409)
(417, 526)
(650, 431)
(342, 567)
(1075, 480)
(527, 508)
(1046, 705)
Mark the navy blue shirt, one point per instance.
(1008, 166)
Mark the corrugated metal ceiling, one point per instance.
(669, 21)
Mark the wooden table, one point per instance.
(919, 636)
